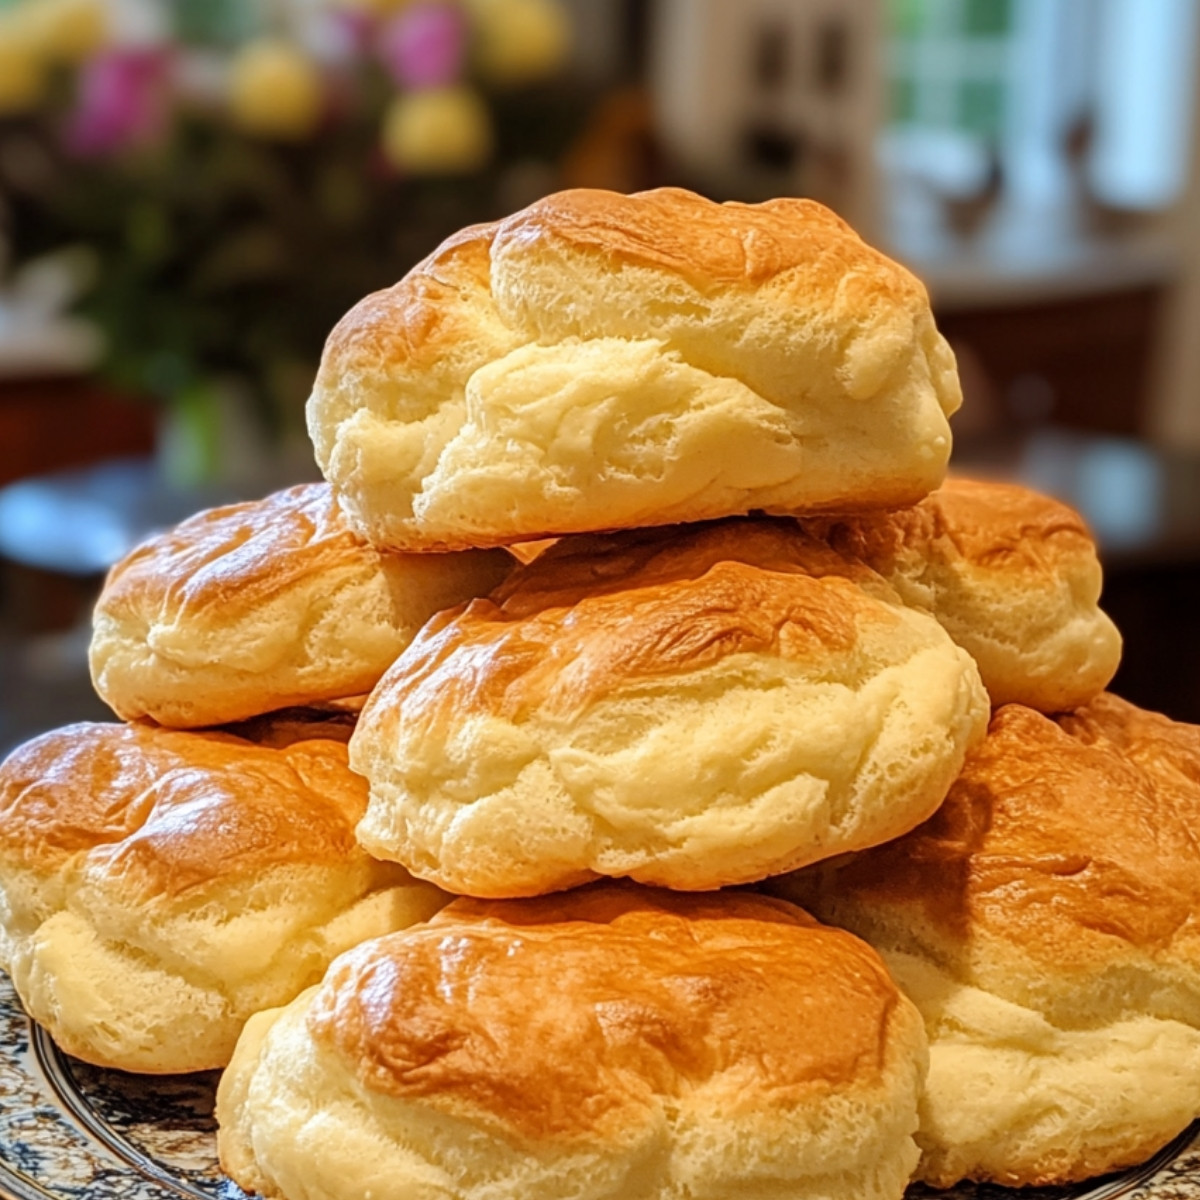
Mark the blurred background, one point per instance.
(193, 191)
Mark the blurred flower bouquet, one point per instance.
(226, 178)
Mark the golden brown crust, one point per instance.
(713, 246)
(232, 558)
(169, 811)
(592, 614)
(253, 607)
(1011, 574)
(158, 888)
(558, 1019)
(416, 318)
(1071, 842)
(1044, 921)
(1167, 751)
(603, 361)
(988, 523)
(654, 706)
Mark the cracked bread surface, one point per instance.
(1045, 922)
(268, 604)
(690, 708)
(611, 1041)
(601, 361)
(158, 887)
(1011, 574)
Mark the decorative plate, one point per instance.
(70, 1131)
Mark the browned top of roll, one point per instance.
(561, 1018)
(1074, 841)
(595, 612)
(798, 248)
(712, 245)
(170, 811)
(420, 315)
(1167, 751)
(227, 560)
(990, 523)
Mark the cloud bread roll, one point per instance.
(252, 607)
(601, 361)
(1010, 573)
(605, 1043)
(1046, 921)
(692, 708)
(159, 887)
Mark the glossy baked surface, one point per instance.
(70, 1131)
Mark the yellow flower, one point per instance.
(66, 30)
(519, 41)
(440, 131)
(377, 8)
(22, 67)
(275, 90)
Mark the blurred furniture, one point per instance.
(1062, 324)
(773, 97)
(1083, 362)
(78, 522)
(53, 421)
(1176, 416)
(47, 423)
(56, 421)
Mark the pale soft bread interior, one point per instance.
(1012, 1096)
(1011, 574)
(167, 992)
(691, 708)
(155, 890)
(418, 1103)
(258, 606)
(599, 361)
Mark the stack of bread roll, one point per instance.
(487, 789)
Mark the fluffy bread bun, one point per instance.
(600, 361)
(1046, 921)
(691, 708)
(248, 608)
(159, 887)
(607, 1043)
(1011, 574)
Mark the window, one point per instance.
(1013, 82)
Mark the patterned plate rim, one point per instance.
(59, 1075)
(54, 1077)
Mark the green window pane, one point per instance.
(980, 105)
(904, 99)
(987, 16)
(907, 16)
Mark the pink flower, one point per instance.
(424, 46)
(121, 102)
(350, 31)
